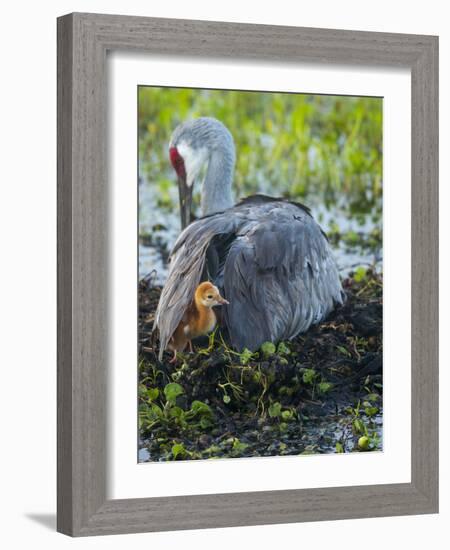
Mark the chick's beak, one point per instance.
(185, 193)
(221, 301)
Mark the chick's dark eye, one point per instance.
(209, 296)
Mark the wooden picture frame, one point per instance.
(83, 41)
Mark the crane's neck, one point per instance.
(217, 193)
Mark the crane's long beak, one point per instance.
(185, 192)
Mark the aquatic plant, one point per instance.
(321, 392)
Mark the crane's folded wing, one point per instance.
(272, 261)
(279, 278)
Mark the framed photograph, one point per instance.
(247, 274)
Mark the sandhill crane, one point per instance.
(268, 256)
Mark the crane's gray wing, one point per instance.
(279, 277)
(271, 260)
(187, 266)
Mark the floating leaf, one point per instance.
(152, 393)
(371, 411)
(238, 446)
(246, 356)
(360, 273)
(324, 387)
(176, 412)
(178, 450)
(283, 349)
(268, 349)
(358, 426)
(344, 351)
(198, 407)
(373, 397)
(308, 376)
(156, 410)
(172, 391)
(275, 409)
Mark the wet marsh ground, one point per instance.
(319, 393)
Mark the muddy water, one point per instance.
(159, 229)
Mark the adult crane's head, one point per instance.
(195, 144)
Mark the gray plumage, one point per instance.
(268, 257)
(208, 133)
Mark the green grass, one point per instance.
(307, 147)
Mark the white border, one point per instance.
(127, 478)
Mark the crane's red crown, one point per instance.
(177, 162)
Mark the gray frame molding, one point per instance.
(83, 41)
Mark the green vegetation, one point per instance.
(319, 393)
(315, 148)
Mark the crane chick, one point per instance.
(199, 319)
